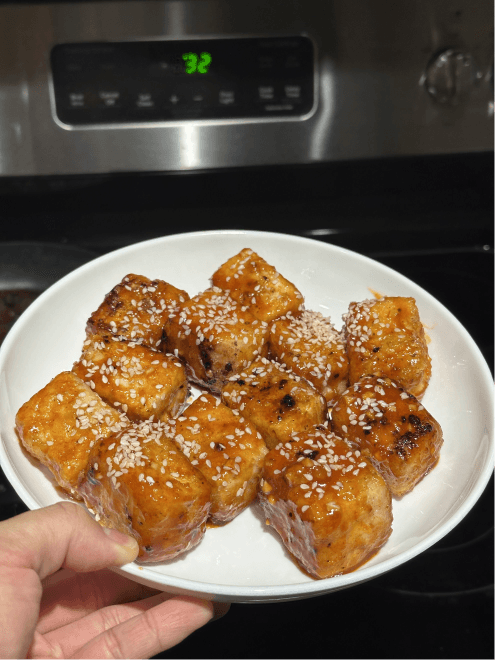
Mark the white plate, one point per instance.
(245, 561)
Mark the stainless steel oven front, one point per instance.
(171, 85)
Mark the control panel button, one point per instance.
(292, 91)
(226, 97)
(76, 100)
(145, 100)
(110, 98)
(266, 93)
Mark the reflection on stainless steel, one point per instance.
(190, 147)
(369, 104)
(323, 123)
(451, 76)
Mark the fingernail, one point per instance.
(220, 610)
(127, 547)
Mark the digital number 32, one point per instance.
(195, 64)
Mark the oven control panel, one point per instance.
(155, 81)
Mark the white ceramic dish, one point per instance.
(245, 561)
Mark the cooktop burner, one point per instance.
(12, 303)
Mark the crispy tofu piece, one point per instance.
(215, 337)
(330, 506)
(61, 423)
(386, 338)
(136, 309)
(275, 400)
(392, 428)
(256, 284)
(140, 381)
(311, 347)
(140, 483)
(227, 450)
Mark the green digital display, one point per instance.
(197, 63)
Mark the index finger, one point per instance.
(151, 632)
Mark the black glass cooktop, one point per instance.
(430, 219)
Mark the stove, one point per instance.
(363, 125)
(431, 219)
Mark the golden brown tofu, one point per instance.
(136, 309)
(275, 400)
(140, 381)
(215, 337)
(392, 428)
(309, 345)
(256, 284)
(227, 450)
(140, 483)
(330, 506)
(61, 423)
(386, 338)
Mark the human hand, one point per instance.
(84, 611)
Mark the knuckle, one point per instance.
(153, 628)
(110, 617)
(112, 646)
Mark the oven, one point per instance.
(363, 125)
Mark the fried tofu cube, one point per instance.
(392, 428)
(330, 506)
(227, 450)
(385, 337)
(141, 484)
(215, 336)
(310, 346)
(256, 284)
(275, 400)
(136, 309)
(140, 381)
(61, 423)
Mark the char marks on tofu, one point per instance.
(275, 400)
(257, 285)
(136, 310)
(392, 428)
(308, 344)
(215, 336)
(328, 503)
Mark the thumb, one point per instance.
(62, 535)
